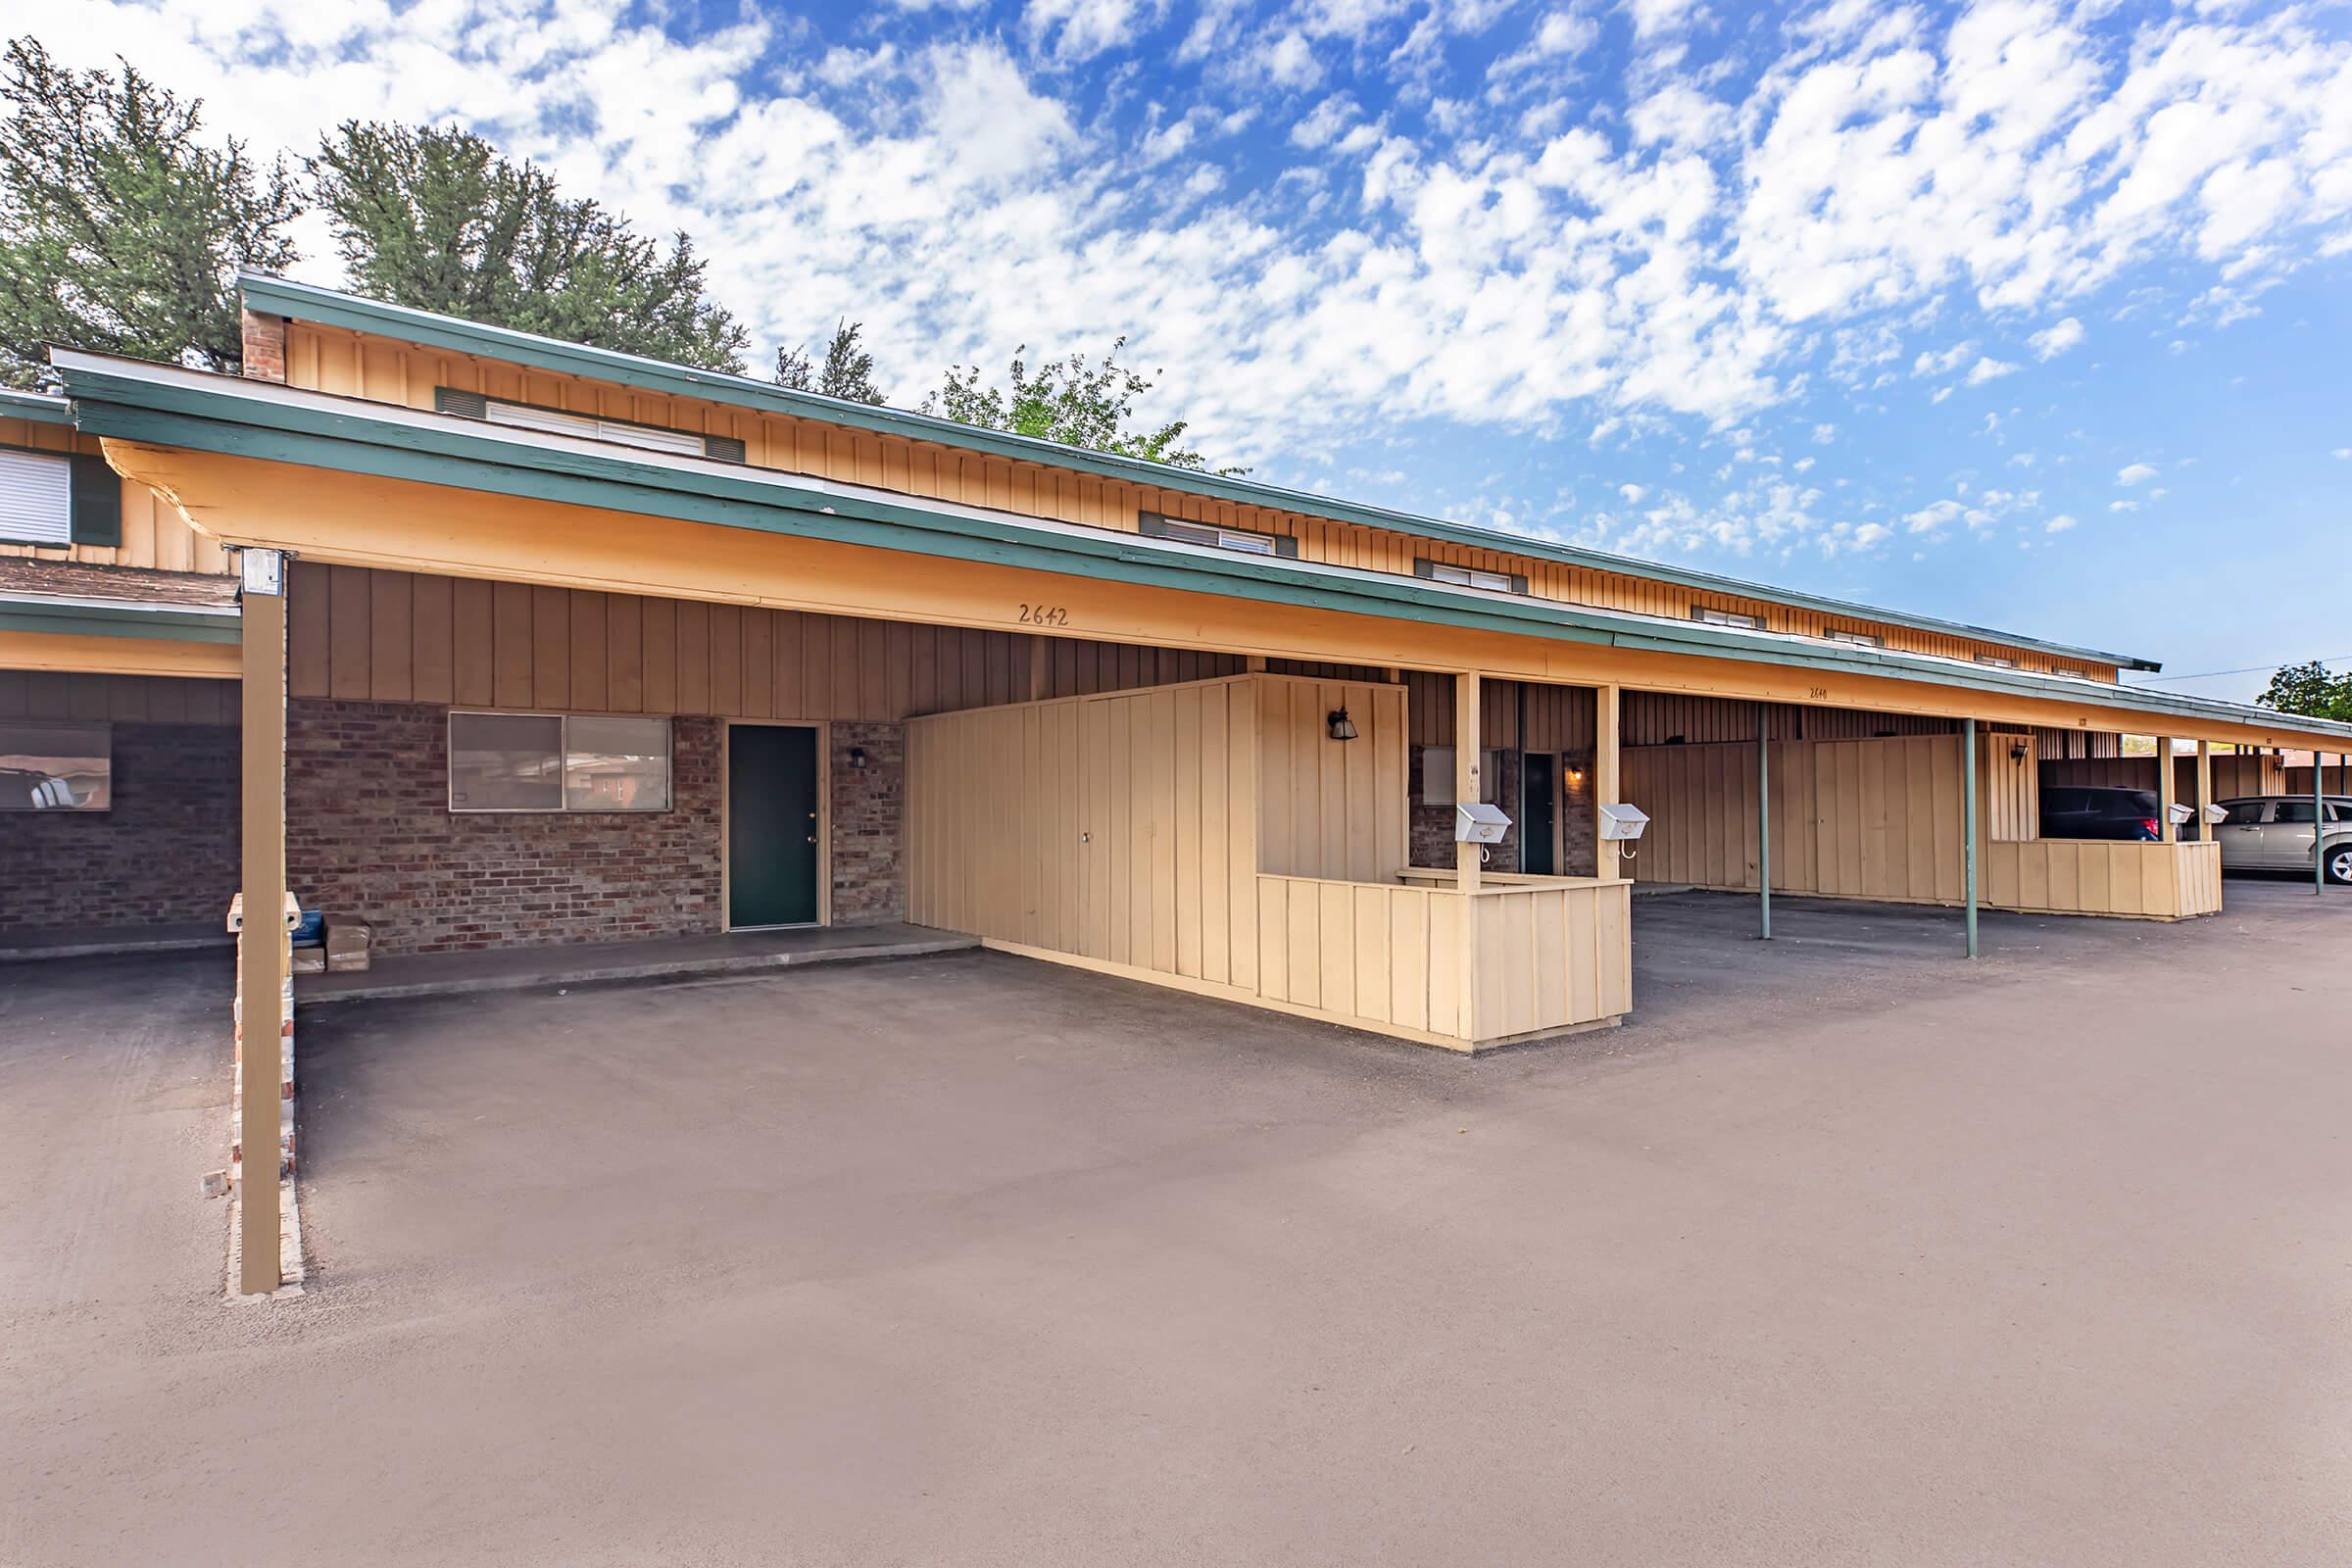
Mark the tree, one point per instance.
(2309, 690)
(1070, 401)
(849, 370)
(439, 219)
(120, 228)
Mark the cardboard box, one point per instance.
(349, 941)
(308, 960)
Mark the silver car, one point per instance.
(2274, 833)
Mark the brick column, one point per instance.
(264, 354)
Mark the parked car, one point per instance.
(2274, 833)
(2086, 811)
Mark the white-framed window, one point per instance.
(557, 763)
(1856, 639)
(1996, 661)
(55, 767)
(1709, 616)
(1215, 536)
(1498, 582)
(36, 498)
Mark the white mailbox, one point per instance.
(2216, 815)
(1622, 821)
(1477, 822)
(2183, 816)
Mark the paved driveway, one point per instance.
(1845, 1254)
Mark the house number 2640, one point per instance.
(1045, 616)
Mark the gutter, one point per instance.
(308, 302)
(267, 421)
(104, 618)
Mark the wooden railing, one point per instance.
(1540, 954)
(2093, 876)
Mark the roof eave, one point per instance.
(329, 307)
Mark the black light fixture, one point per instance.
(858, 756)
(1341, 727)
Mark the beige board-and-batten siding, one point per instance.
(1882, 819)
(1213, 837)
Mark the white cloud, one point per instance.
(2123, 506)
(1633, 493)
(2341, 452)
(2135, 474)
(1990, 369)
(2058, 525)
(1696, 242)
(1824, 434)
(2055, 339)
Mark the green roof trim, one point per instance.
(82, 618)
(43, 408)
(306, 302)
(271, 423)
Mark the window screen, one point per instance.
(506, 762)
(56, 767)
(617, 764)
(36, 498)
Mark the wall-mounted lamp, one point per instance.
(1341, 727)
(858, 756)
(2016, 752)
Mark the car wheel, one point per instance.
(2339, 864)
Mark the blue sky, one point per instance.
(2032, 315)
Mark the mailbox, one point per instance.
(1477, 822)
(1622, 821)
(2216, 815)
(2183, 816)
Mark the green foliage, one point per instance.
(437, 218)
(120, 228)
(849, 370)
(1068, 400)
(2309, 690)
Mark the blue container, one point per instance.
(311, 930)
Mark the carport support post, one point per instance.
(1608, 864)
(2319, 823)
(2205, 830)
(1763, 822)
(1967, 831)
(1466, 857)
(2168, 790)
(261, 949)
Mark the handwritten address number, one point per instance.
(1045, 616)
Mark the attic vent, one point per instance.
(1726, 617)
(1496, 582)
(586, 426)
(1243, 541)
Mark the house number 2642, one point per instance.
(1045, 616)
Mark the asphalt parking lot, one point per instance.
(1843, 1251)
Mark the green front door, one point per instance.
(771, 825)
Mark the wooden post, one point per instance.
(1764, 821)
(2168, 790)
(262, 953)
(1466, 782)
(1608, 864)
(1968, 828)
(2205, 829)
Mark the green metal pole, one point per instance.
(1763, 824)
(2319, 820)
(1968, 832)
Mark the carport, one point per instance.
(1831, 803)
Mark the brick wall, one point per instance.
(263, 353)
(370, 832)
(868, 807)
(166, 854)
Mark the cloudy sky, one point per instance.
(2026, 314)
